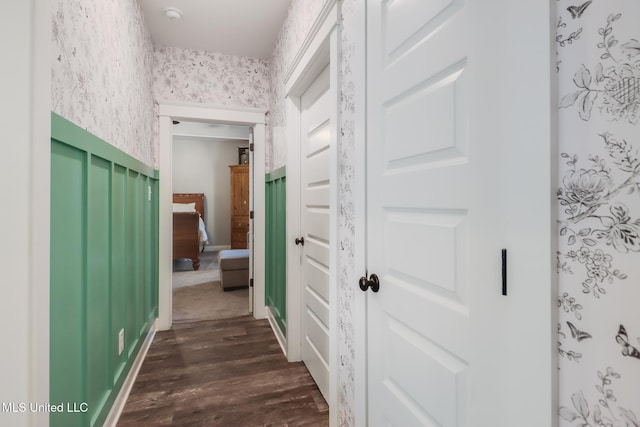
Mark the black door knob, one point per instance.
(372, 283)
(300, 241)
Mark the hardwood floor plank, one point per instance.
(228, 372)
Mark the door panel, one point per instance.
(440, 369)
(317, 277)
(315, 229)
(404, 19)
(318, 252)
(438, 216)
(438, 266)
(316, 168)
(438, 100)
(418, 214)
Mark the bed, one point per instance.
(189, 234)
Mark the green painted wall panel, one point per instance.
(281, 252)
(154, 239)
(104, 269)
(100, 347)
(68, 257)
(142, 248)
(118, 262)
(148, 263)
(156, 247)
(275, 251)
(132, 279)
(268, 238)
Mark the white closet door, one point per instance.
(315, 229)
(447, 169)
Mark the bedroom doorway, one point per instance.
(211, 170)
(252, 119)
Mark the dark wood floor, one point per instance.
(228, 372)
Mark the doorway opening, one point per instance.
(210, 168)
(210, 116)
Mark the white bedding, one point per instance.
(204, 238)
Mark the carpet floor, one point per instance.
(198, 295)
(185, 275)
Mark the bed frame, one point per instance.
(186, 240)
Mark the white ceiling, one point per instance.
(236, 27)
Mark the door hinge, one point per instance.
(251, 283)
(251, 147)
(250, 214)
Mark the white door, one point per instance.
(445, 347)
(315, 229)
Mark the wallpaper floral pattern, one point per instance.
(599, 219)
(301, 16)
(347, 275)
(185, 75)
(197, 76)
(101, 72)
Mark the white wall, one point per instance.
(202, 166)
(24, 218)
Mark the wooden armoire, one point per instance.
(239, 205)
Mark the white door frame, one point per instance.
(254, 118)
(25, 251)
(319, 49)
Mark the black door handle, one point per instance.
(372, 283)
(300, 241)
(504, 272)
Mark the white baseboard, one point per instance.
(282, 340)
(123, 395)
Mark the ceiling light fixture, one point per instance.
(173, 13)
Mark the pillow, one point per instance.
(184, 207)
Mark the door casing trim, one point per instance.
(252, 117)
(320, 48)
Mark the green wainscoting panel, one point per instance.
(276, 246)
(118, 259)
(99, 339)
(104, 270)
(68, 277)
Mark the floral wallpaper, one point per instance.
(347, 275)
(301, 15)
(300, 18)
(598, 66)
(101, 72)
(185, 75)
